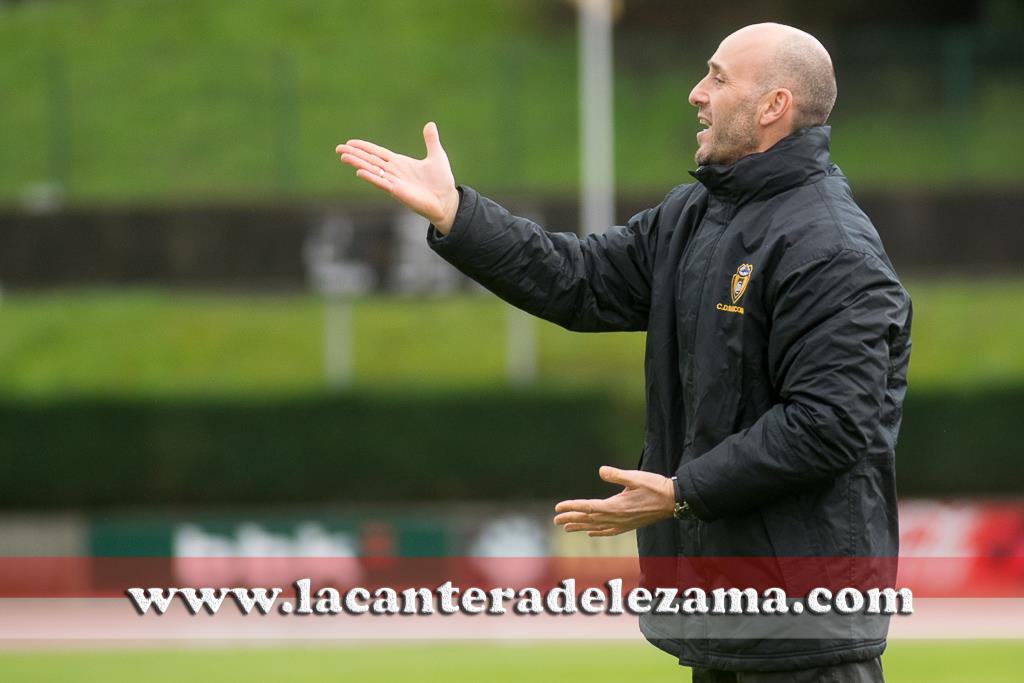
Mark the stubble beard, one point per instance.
(732, 138)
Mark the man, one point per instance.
(778, 338)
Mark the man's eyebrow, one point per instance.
(715, 66)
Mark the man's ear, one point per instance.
(777, 104)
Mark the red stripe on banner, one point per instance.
(88, 577)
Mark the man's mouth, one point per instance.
(706, 123)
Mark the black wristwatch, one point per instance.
(682, 509)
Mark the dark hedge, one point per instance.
(101, 453)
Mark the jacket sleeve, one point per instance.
(596, 283)
(832, 324)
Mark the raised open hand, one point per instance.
(426, 186)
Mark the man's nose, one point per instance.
(698, 96)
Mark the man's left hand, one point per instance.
(646, 498)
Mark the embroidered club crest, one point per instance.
(739, 281)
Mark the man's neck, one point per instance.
(771, 136)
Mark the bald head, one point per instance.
(763, 82)
(795, 60)
(803, 65)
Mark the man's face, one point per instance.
(727, 101)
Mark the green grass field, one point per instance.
(247, 98)
(904, 662)
(160, 343)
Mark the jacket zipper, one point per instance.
(728, 216)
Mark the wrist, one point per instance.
(670, 495)
(681, 508)
(450, 207)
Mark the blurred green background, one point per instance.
(161, 343)
(119, 114)
(170, 101)
(128, 389)
(127, 127)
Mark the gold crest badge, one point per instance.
(739, 281)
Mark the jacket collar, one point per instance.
(800, 158)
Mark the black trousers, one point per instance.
(857, 672)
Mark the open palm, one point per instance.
(646, 498)
(426, 186)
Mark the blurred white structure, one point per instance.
(419, 271)
(338, 278)
(597, 128)
(416, 269)
(520, 347)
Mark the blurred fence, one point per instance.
(381, 246)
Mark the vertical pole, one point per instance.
(520, 347)
(597, 136)
(338, 341)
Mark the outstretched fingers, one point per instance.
(588, 526)
(383, 153)
(360, 164)
(369, 167)
(355, 152)
(587, 505)
(575, 518)
(597, 528)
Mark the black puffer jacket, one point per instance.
(778, 338)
